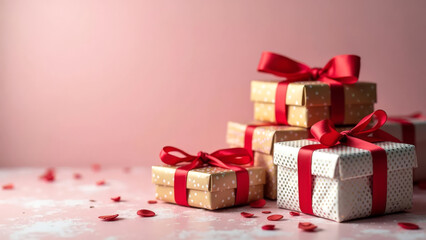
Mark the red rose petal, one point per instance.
(266, 212)
(8, 186)
(77, 175)
(422, 185)
(268, 227)
(146, 213)
(100, 182)
(258, 204)
(152, 201)
(96, 167)
(275, 217)
(294, 213)
(247, 215)
(407, 225)
(116, 199)
(49, 175)
(307, 226)
(108, 217)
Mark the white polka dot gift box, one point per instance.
(207, 185)
(308, 95)
(340, 182)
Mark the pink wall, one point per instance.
(113, 81)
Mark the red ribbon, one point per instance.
(408, 128)
(224, 158)
(361, 136)
(342, 69)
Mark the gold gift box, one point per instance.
(309, 102)
(263, 141)
(207, 187)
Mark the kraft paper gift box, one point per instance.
(411, 130)
(263, 141)
(342, 187)
(207, 187)
(309, 102)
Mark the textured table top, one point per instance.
(69, 208)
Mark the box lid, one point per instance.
(208, 178)
(343, 162)
(312, 93)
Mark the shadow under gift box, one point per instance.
(207, 187)
(263, 141)
(419, 127)
(309, 102)
(342, 188)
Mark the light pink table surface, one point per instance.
(61, 209)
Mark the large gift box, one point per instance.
(309, 102)
(209, 181)
(411, 130)
(341, 182)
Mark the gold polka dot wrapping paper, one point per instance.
(208, 187)
(309, 102)
(342, 179)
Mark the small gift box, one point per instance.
(260, 138)
(334, 94)
(412, 130)
(347, 175)
(209, 181)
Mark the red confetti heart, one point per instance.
(258, 204)
(108, 217)
(268, 227)
(100, 182)
(146, 213)
(275, 217)
(152, 201)
(266, 212)
(294, 213)
(422, 185)
(96, 167)
(247, 215)
(8, 186)
(49, 175)
(116, 199)
(77, 175)
(307, 226)
(407, 225)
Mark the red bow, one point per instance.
(362, 136)
(342, 69)
(224, 158)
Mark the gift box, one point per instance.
(411, 130)
(309, 102)
(263, 139)
(208, 187)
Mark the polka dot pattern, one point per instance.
(342, 179)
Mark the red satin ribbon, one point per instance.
(408, 128)
(361, 136)
(248, 136)
(224, 158)
(342, 69)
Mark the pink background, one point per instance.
(113, 81)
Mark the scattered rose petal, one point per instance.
(49, 175)
(294, 214)
(96, 167)
(258, 204)
(247, 215)
(422, 185)
(8, 186)
(91, 200)
(92, 206)
(146, 213)
(77, 175)
(116, 199)
(307, 226)
(275, 217)
(152, 201)
(268, 227)
(108, 217)
(266, 212)
(407, 225)
(100, 182)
